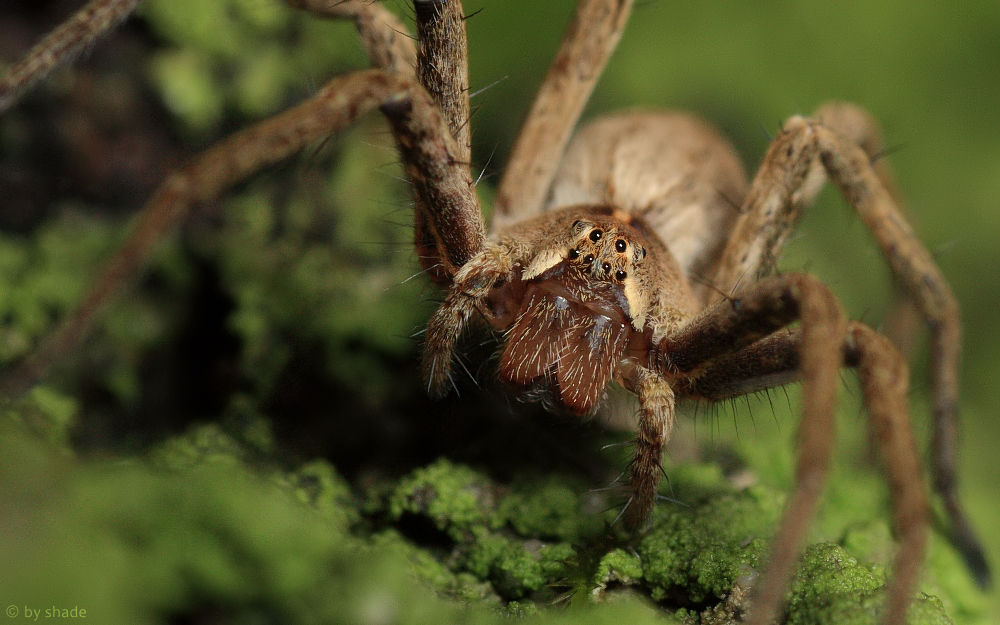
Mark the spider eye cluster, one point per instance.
(604, 252)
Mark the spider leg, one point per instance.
(856, 124)
(791, 174)
(913, 264)
(61, 45)
(443, 66)
(383, 35)
(757, 311)
(587, 45)
(884, 380)
(656, 421)
(448, 214)
(472, 283)
(420, 130)
(440, 63)
(883, 375)
(385, 38)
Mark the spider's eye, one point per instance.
(589, 258)
(621, 275)
(595, 235)
(620, 245)
(573, 253)
(606, 267)
(576, 224)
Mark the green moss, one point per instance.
(832, 587)
(185, 78)
(616, 567)
(312, 270)
(461, 586)
(454, 497)
(701, 550)
(497, 533)
(869, 542)
(513, 566)
(140, 542)
(54, 413)
(318, 484)
(204, 518)
(548, 509)
(41, 279)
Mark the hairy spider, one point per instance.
(637, 253)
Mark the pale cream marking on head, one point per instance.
(542, 262)
(638, 302)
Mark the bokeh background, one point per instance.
(306, 312)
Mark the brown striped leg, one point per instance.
(420, 130)
(656, 421)
(62, 45)
(883, 375)
(789, 177)
(587, 45)
(757, 311)
(439, 60)
(442, 68)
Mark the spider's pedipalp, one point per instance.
(471, 286)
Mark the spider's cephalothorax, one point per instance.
(636, 254)
(578, 303)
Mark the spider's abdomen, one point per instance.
(568, 335)
(675, 171)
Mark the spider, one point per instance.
(635, 252)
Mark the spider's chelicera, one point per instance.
(637, 253)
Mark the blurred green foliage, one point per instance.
(200, 524)
(316, 253)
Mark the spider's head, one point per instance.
(585, 289)
(604, 251)
(578, 303)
